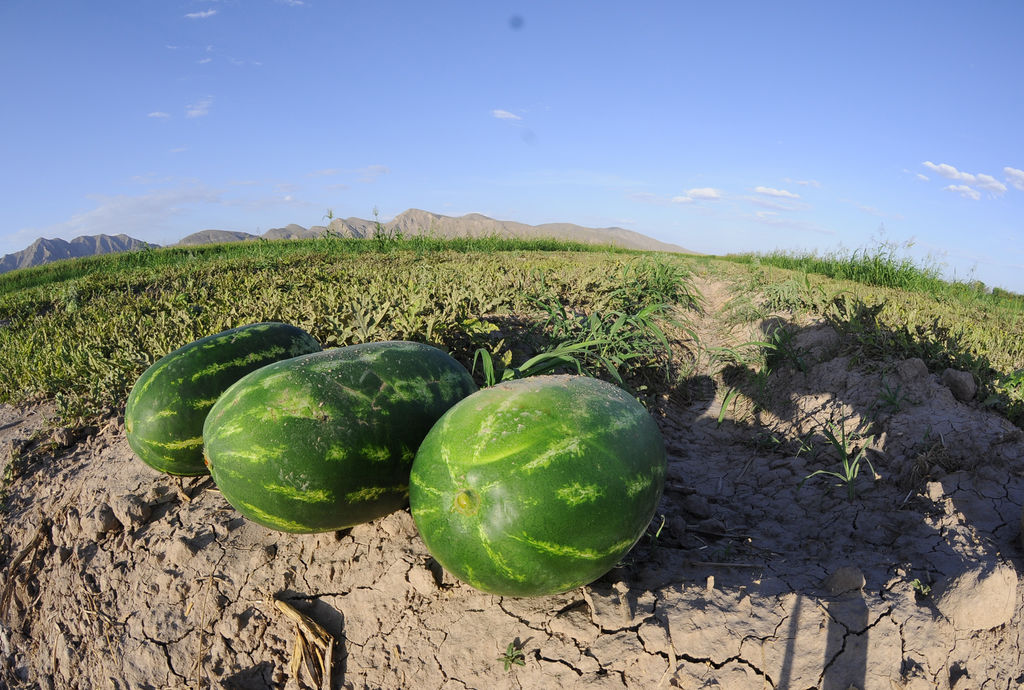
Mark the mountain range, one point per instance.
(44, 251)
(409, 223)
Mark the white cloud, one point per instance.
(292, 3)
(804, 183)
(972, 182)
(704, 194)
(698, 194)
(964, 191)
(505, 115)
(1015, 177)
(923, 177)
(132, 215)
(158, 115)
(205, 60)
(991, 184)
(779, 193)
(199, 109)
(201, 15)
(371, 172)
(949, 172)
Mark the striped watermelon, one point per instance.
(325, 441)
(538, 485)
(167, 406)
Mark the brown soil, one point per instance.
(116, 577)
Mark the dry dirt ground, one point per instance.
(114, 577)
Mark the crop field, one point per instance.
(809, 414)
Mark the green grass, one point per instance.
(81, 332)
(882, 266)
(271, 251)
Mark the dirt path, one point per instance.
(116, 578)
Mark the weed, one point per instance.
(782, 350)
(512, 656)
(890, 398)
(921, 589)
(849, 456)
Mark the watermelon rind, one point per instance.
(167, 406)
(539, 485)
(326, 441)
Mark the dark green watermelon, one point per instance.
(538, 485)
(326, 441)
(167, 406)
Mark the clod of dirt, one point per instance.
(846, 578)
(961, 383)
(981, 598)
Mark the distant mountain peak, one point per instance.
(413, 221)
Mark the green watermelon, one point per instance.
(538, 485)
(167, 406)
(326, 441)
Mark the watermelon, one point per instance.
(326, 441)
(167, 406)
(539, 485)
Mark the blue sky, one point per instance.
(722, 127)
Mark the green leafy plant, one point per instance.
(849, 456)
(891, 398)
(920, 588)
(512, 656)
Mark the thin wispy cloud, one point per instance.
(949, 172)
(201, 15)
(199, 109)
(698, 194)
(158, 115)
(505, 115)
(292, 3)
(204, 60)
(325, 172)
(964, 191)
(128, 213)
(371, 172)
(777, 193)
(972, 182)
(1015, 177)
(804, 183)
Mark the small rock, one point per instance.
(131, 511)
(935, 491)
(697, 505)
(422, 580)
(912, 369)
(961, 383)
(100, 520)
(979, 599)
(847, 578)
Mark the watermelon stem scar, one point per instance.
(466, 502)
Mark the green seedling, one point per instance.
(849, 456)
(513, 656)
(920, 588)
(891, 399)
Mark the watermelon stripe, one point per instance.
(275, 521)
(570, 445)
(196, 442)
(295, 494)
(499, 561)
(372, 493)
(564, 550)
(575, 494)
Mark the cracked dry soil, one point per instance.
(117, 578)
